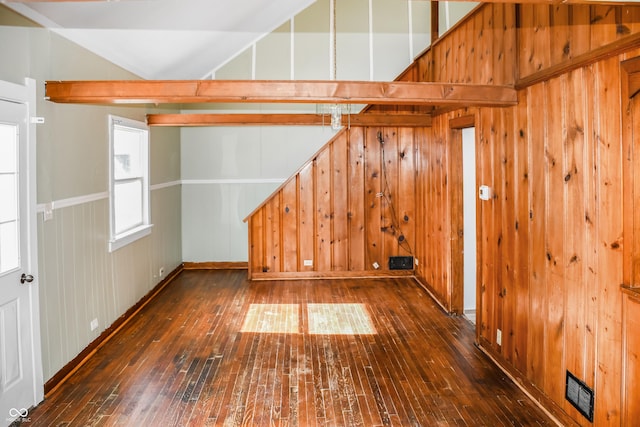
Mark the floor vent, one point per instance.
(579, 395)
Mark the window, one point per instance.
(9, 219)
(129, 181)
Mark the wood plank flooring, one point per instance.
(183, 361)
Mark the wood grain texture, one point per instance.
(554, 240)
(183, 360)
(355, 208)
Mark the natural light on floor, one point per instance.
(272, 318)
(322, 319)
(339, 319)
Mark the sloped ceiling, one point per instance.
(163, 39)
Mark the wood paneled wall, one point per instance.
(350, 206)
(552, 35)
(551, 240)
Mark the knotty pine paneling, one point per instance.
(481, 49)
(344, 210)
(550, 35)
(549, 241)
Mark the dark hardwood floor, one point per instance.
(189, 358)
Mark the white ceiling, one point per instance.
(163, 39)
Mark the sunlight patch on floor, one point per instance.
(342, 319)
(272, 318)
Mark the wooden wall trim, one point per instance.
(610, 50)
(545, 403)
(462, 122)
(83, 357)
(432, 293)
(364, 274)
(216, 265)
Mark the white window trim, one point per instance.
(118, 241)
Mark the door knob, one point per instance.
(26, 278)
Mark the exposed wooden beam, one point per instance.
(618, 2)
(550, 2)
(404, 120)
(278, 91)
(462, 122)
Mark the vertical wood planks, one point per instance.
(487, 255)
(342, 211)
(507, 148)
(256, 243)
(576, 249)
(522, 237)
(406, 200)
(306, 217)
(560, 34)
(373, 210)
(556, 218)
(356, 205)
(576, 181)
(389, 191)
(604, 18)
(290, 236)
(537, 248)
(609, 188)
(323, 206)
(340, 204)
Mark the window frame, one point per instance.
(119, 240)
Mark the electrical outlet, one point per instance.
(308, 263)
(161, 272)
(415, 260)
(48, 211)
(376, 265)
(94, 324)
(499, 337)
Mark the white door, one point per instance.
(21, 383)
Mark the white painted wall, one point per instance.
(79, 279)
(226, 173)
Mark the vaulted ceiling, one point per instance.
(162, 39)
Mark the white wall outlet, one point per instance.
(499, 337)
(376, 265)
(415, 261)
(94, 324)
(161, 272)
(308, 263)
(48, 211)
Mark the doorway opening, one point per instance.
(469, 222)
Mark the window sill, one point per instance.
(129, 237)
